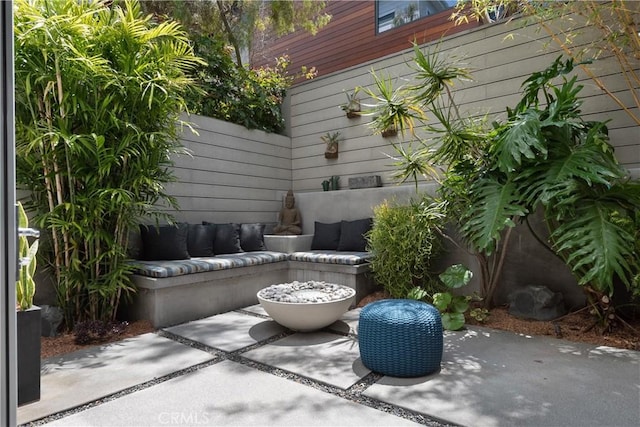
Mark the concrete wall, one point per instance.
(499, 67)
(232, 174)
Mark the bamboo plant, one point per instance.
(99, 92)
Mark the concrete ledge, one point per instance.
(358, 277)
(288, 244)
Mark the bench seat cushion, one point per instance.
(332, 257)
(160, 269)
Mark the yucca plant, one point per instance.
(99, 93)
(544, 156)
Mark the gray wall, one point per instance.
(232, 174)
(499, 67)
(238, 174)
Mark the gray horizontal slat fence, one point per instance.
(232, 175)
(499, 65)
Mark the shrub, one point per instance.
(250, 98)
(404, 240)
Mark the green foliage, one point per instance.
(25, 286)
(287, 15)
(352, 106)
(609, 26)
(404, 240)
(331, 138)
(251, 98)
(99, 93)
(240, 23)
(456, 276)
(452, 307)
(220, 30)
(479, 314)
(543, 157)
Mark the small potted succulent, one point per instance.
(352, 106)
(331, 140)
(28, 321)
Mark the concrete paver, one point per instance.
(329, 358)
(72, 380)
(495, 378)
(488, 378)
(229, 393)
(228, 331)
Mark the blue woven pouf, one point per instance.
(400, 337)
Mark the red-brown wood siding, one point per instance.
(350, 39)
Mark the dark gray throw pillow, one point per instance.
(167, 242)
(326, 236)
(252, 237)
(200, 239)
(352, 235)
(227, 240)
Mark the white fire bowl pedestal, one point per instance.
(309, 315)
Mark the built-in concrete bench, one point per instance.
(172, 292)
(199, 287)
(346, 268)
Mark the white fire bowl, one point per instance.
(307, 316)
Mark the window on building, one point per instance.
(394, 13)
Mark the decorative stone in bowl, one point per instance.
(306, 306)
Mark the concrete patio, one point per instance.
(241, 368)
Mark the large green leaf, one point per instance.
(456, 276)
(441, 300)
(596, 247)
(452, 321)
(570, 168)
(494, 205)
(522, 138)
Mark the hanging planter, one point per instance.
(389, 132)
(352, 107)
(331, 140)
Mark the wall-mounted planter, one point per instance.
(352, 114)
(352, 107)
(331, 140)
(389, 132)
(331, 152)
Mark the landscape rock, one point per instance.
(537, 303)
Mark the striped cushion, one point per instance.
(332, 257)
(162, 269)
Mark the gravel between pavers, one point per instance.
(353, 393)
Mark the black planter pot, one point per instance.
(29, 328)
